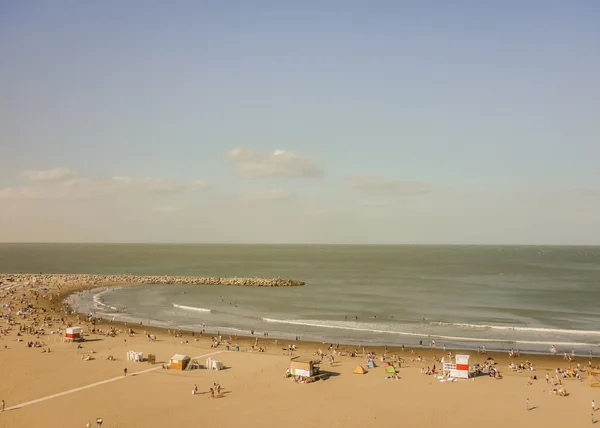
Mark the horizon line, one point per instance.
(295, 244)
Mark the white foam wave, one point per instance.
(190, 308)
(215, 328)
(516, 328)
(99, 302)
(370, 328)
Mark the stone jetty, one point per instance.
(90, 279)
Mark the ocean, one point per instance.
(501, 297)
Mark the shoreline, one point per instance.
(110, 318)
(70, 288)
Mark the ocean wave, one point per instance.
(216, 328)
(99, 302)
(190, 308)
(516, 328)
(372, 328)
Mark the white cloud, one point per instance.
(159, 186)
(61, 183)
(123, 179)
(255, 164)
(269, 195)
(56, 175)
(20, 193)
(372, 183)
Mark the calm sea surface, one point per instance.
(460, 296)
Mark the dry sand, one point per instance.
(255, 393)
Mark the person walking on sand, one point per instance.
(3, 405)
(212, 393)
(527, 404)
(125, 371)
(593, 405)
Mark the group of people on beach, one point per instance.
(214, 390)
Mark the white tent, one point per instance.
(213, 364)
(135, 356)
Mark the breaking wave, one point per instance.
(190, 308)
(99, 302)
(514, 328)
(374, 328)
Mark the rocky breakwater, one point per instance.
(89, 279)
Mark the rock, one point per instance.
(148, 279)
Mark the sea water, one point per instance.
(458, 296)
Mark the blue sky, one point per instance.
(401, 122)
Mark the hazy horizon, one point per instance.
(392, 123)
(347, 244)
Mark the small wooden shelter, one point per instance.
(74, 333)
(306, 368)
(179, 362)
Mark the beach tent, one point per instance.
(360, 370)
(370, 364)
(213, 364)
(594, 378)
(179, 362)
(74, 333)
(390, 369)
(135, 356)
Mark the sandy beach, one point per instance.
(62, 388)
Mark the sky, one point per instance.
(350, 122)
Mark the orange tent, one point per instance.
(360, 370)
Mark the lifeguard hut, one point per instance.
(459, 368)
(74, 333)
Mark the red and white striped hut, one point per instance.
(458, 369)
(462, 367)
(74, 333)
